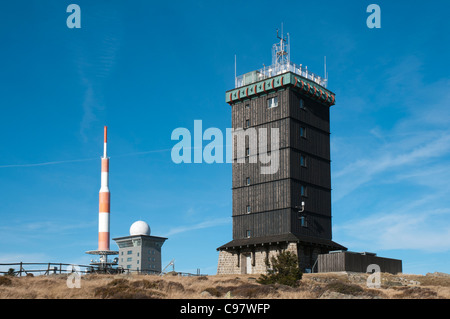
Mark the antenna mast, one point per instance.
(235, 78)
(280, 51)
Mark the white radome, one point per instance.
(140, 228)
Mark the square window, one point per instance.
(272, 102)
(247, 106)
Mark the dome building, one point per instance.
(140, 252)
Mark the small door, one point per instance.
(249, 264)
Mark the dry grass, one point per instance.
(312, 286)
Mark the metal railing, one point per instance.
(276, 69)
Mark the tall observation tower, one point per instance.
(290, 208)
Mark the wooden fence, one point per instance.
(25, 269)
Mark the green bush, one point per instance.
(284, 271)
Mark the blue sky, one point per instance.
(146, 68)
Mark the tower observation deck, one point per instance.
(281, 63)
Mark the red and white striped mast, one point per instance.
(104, 201)
(104, 214)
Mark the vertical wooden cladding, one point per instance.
(317, 226)
(262, 197)
(241, 171)
(273, 198)
(265, 224)
(315, 142)
(317, 200)
(349, 261)
(316, 170)
(257, 111)
(314, 113)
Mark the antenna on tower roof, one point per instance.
(280, 51)
(235, 78)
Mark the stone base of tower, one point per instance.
(253, 256)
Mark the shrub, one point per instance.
(284, 271)
(5, 281)
(11, 272)
(124, 289)
(343, 288)
(416, 293)
(213, 291)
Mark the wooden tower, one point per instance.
(290, 208)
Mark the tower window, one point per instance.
(248, 233)
(303, 160)
(302, 104)
(302, 131)
(272, 102)
(247, 151)
(247, 123)
(248, 180)
(303, 221)
(249, 210)
(247, 106)
(303, 190)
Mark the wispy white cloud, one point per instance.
(403, 166)
(95, 56)
(426, 230)
(201, 225)
(418, 138)
(392, 159)
(39, 229)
